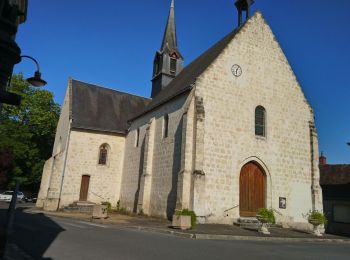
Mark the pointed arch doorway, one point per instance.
(251, 189)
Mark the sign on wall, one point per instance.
(283, 203)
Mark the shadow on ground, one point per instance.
(32, 233)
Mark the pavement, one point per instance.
(206, 231)
(39, 235)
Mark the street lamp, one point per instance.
(35, 81)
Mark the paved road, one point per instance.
(56, 238)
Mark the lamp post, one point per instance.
(35, 81)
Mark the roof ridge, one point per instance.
(185, 79)
(108, 88)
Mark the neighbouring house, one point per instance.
(228, 134)
(335, 183)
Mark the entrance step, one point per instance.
(248, 223)
(80, 207)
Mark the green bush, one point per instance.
(267, 214)
(109, 205)
(318, 216)
(187, 212)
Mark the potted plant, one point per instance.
(266, 217)
(316, 219)
(184, 219)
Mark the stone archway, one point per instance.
(251, 189)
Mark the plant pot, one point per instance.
(316, 224)
(262, 219)
(264, 228)
(181, 222)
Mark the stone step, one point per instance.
(248, 223)
(80, 206)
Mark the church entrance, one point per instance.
(84, 187)
(251, 190)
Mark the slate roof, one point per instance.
(102, 109)
(187, 77)
(337, 174)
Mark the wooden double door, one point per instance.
(251, 190)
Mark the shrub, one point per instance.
(317, 216)
(187, 212)
(267, 214)
(109, 205)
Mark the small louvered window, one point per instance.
(173, 66)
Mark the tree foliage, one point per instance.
(27, 134)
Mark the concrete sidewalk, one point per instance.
(207, 231)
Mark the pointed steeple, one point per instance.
(168, 61)
(169, 39)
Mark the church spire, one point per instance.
(169, 39)
(168, 61)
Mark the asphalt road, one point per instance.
(56, 238)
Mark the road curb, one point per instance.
(214, 236)
(240, 238)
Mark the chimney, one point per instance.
(243, 5)
(323, 160)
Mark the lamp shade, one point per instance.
(37, 81)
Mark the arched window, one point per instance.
(103, 154)
(260, 121)
(166, 126)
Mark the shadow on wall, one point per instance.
(32, 233)
(172, 197)
(137, 199)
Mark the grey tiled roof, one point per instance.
(103, 109)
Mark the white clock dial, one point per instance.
(236, 70)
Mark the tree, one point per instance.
(27, 132)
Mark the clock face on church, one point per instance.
(236, 70)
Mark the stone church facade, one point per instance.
(228, 134)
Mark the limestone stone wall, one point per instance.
(63, 125)
(156, 160)
(53, 176)
(228, 131)
(45, 183)
(82, 159)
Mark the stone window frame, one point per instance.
(263, 125)
(165, 128)
(108, 151)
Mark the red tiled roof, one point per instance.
(336, 174)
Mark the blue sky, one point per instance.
(112, 43)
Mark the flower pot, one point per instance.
(182, 222)
(316, 223)
(262, 219)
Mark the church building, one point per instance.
(228, 134)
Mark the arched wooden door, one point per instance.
(251, 190)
